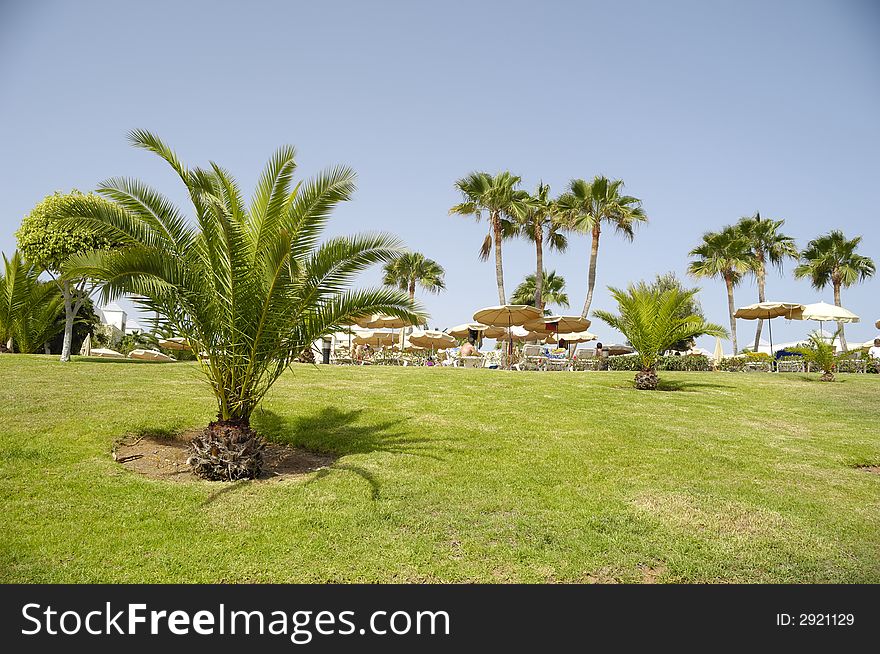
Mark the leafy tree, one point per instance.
(832, 260)
(768, 245)
(586, 206)
(30, 310)
(48, 243)
(249, 285)
(499, 197)
(541, 222)
(723, 254)
(653, 321)
(553, 294)
(412, 269)
(820, 353)
(692, 307)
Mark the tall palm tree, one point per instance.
(412, 269)
(768, 245)
(248, 285)
(499, 197)
(653, 320)
(587, 205)
(723, 254)
(553, 293)
(541, 222)
(832, 259)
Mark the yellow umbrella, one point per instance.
(462, 331)
(384, 322)
(507, 315)
(559, 324)
(432, 339)
(573, 337)
(769, 310)
(374, 338)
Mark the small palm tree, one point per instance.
(586, 206)
(499, 197)
(30, 310)
(832, 259)
(553, 293)
(768, 245)
(652, 321)
(249, 285)
(542, 223)
(412, 269)
(723, 254)
(821, 354)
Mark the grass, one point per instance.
(449, 476)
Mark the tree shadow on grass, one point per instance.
(335, 431)
(687, 386)
(338, 432)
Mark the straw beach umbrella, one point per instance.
(374, 338)
(485, 331)
(559, 324)
(507, 315)
(432, 339)
(769, 310)
(379, 321)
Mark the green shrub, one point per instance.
(733, 364)
(687, 362)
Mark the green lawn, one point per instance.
(449, 476)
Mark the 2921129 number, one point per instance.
(826, 619)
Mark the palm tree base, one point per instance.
(827, 377)
(647, 380)
(226, 451)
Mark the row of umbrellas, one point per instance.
(820, 312)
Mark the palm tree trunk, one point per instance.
(68, 321)
(499, 267)
(840, 324)
(539, 272)
(591, 276)
(412, 290)
(731, 311)
(761, 275)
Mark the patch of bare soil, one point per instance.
(164, 457)
(872, 469)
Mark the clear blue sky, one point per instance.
(708, 111)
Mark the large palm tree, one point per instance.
(553, 293)
(723, 254)
(541, 223)
(500, 198)
(412, 269)
(588, 205)
(653, 320)
(248, 285)
(832, 259)
(768, 246)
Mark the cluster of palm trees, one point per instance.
(755, 243)
(584, 207)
